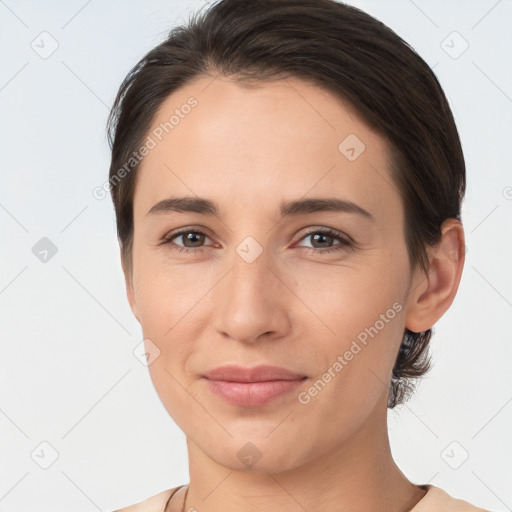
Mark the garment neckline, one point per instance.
(430, 490)
(172, 493)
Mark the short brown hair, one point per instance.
(341, 49)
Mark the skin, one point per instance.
(249, 149)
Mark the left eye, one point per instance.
(321, 235)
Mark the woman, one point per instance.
(287, 179)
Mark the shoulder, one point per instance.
(438, 500)
(154, 503)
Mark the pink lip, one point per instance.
(252, 386)
(259, 373)
(252, 394)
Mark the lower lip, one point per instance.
(252, 394)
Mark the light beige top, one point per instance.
(438, 500)
(435, 500)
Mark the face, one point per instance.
(320, 291)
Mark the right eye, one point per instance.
(192, 236)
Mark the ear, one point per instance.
(431, 295)
(128, 279)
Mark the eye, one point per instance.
(324, 237)
(192, 241)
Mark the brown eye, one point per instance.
(323, 241)
(194, 238)
(191, 240)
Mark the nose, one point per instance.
(252, 300)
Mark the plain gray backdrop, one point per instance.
(81, 426)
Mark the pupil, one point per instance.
(321, 236)
(190, 237)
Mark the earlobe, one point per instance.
(431, 295)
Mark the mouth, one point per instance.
(252, 387)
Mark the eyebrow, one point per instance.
(299, 207)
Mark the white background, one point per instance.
(68, 376)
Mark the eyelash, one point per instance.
(346, 242)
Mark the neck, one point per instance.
(359, 474)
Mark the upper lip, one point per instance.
(261, 373)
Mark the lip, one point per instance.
(261, 373)
(252, 387)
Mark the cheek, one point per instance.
(354, 364)
(168, 302)
(346, 300)
(165, 294)
(358, 325)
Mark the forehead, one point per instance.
(273, 140)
